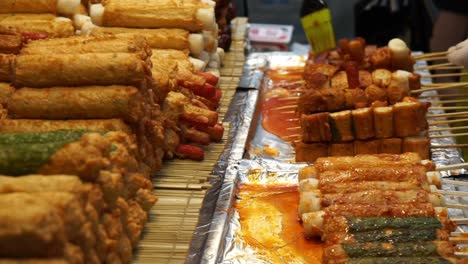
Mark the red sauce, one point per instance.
(280, 101)
(284, 199)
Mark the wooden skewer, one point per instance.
(448, 108)
(437, 88)
(461, 221)
(430, 54)
(285, 107)
(459, 240)
(451, 146)
(457, 206)
(445, 75)
(289, 98)
(442, 122)
(453, 193)
(435, 58)
(443, 95)
(453, 167)
(450, 135)
(450, 101)
(456, 183)
(461, 254)
(442, 66)
(447, 129)
(455, 114)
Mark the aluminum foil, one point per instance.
(217, 238)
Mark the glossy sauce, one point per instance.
(268, 215)
(285, 83)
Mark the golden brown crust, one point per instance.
(78, 103)
(80, 69)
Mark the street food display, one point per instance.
(90, 111)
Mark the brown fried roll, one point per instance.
(375, 93)
(10, 41)
(27, 6)
(6, 91)
(409, 118)
(363, 121)
(80, 69)
(310, 152)
(57, 28)
(81, 45)
(420, 145)
(36, 230)
(91, 102)
(160, 38)
(316, 128)
(341, 149)
(151, 15)
(6, 67)
(390, 145)
(33, 125)
(34, 261)
(342, 126)
(383, 122)
(366, 147)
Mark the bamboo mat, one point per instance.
(181, 184)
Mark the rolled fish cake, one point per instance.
(92, 102)
(80, 70)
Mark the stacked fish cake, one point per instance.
(80, 106)
(96, 216)
(355, 104)
(40, 19)
(182, 36)
(376, 209)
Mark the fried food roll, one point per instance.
(78, 103)
(409, 118)
(84, 157)
(10, 41)
(420, 145)
(71, 208)
(312, 184)
(363, 123)
(59, 27)
(396, 173)
(33, 261)
(340, 149)
(373, 250)
(314, 222)
(339, 80)
(310, 152)
(375, 93)
(188, 16)
(391, 145)
(6, 91)
(393, 260)
(377, 197)
(383, 122)
(330, 100)
(366, 146)
(387, 235)
(316, 128)
(160, 38)
(366, 161)
(33, 125)
(342, 126)
(64, 7)
(37, 230)
(80, 69)
(81, 45)
(6, 67)
(318, 75)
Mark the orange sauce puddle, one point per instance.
(276, 118)
(269, 205)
